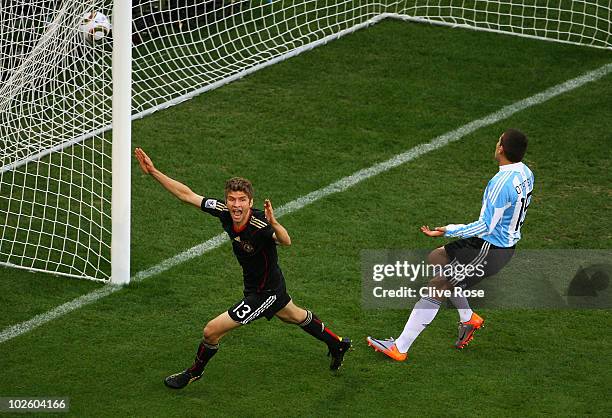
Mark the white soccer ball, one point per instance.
(94, 27)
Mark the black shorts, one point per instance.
(256, 305)
(473, 259)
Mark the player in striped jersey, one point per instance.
(255, 235)
(486, 245)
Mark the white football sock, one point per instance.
(463, 307)
(422, 314)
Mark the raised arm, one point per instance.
(178, 189)
(280, 233)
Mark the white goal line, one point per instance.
(336, 187)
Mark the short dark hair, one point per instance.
(239, 184)
(515, 145)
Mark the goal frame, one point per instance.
(122, 113)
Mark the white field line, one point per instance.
(339, 186)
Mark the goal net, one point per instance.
(581, 22)
(56, 91)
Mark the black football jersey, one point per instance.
(253, 246)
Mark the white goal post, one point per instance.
(69, 90)
(122, 142)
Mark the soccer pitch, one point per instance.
(294, 128)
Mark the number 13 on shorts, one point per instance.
(242, 310)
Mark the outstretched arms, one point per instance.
(178, 189)
(280, 233)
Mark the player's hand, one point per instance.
(436, 232)
(269, 211)
(146, 164)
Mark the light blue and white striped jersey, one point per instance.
(504, 206)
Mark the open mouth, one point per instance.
(237, 213)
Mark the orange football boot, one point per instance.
(387, 347)
(467, 329)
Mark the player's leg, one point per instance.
(213, 332)
(440, 257)
(292, 314)
(464, 253)
(309, 322)
(422, 314)
(492, 261)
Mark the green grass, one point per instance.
(296, 127)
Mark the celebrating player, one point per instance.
(254, 234)
(486, 245)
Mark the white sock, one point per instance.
(422, 314)
(463, 307)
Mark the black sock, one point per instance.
(317, 329)
(204, 354)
